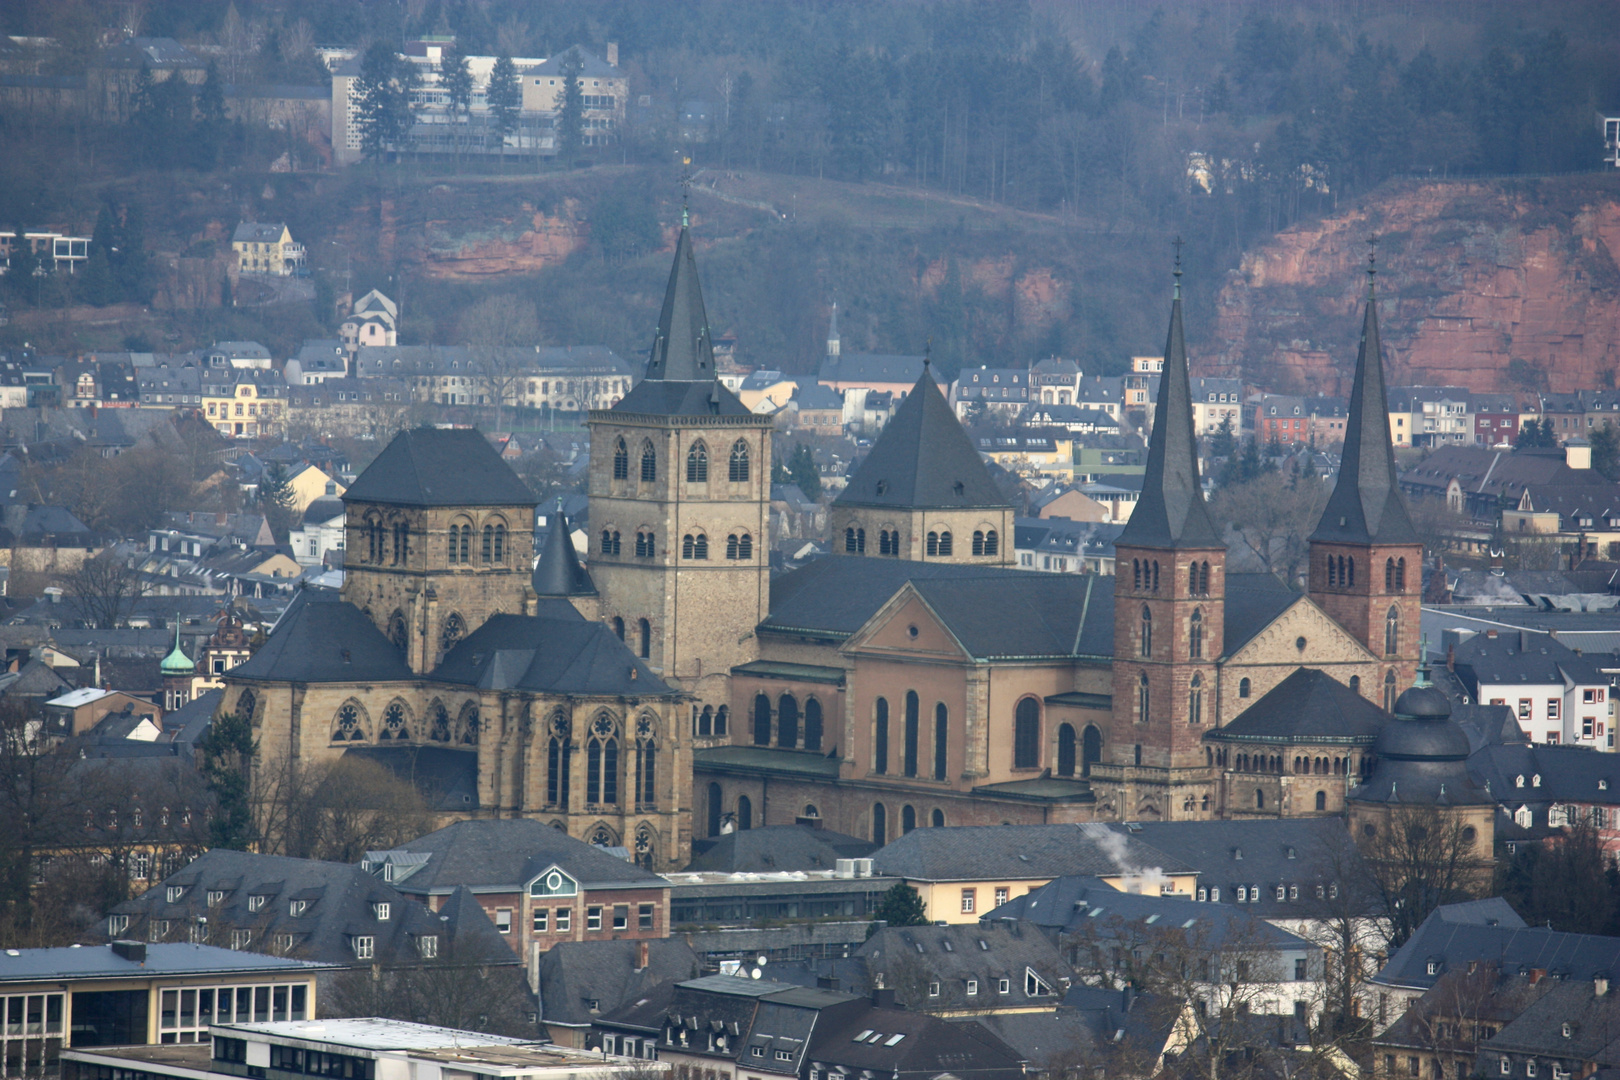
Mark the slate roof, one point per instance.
(340, 901)
(574, 973)
(505, 854)
(1092, 1023)
(321, 638)
(923, 460)
(1516, 947)
(440, 467)
(992, 611)
(931, 1047)
(955, 953)
(1172, 511)
(775, 848)
(521, 652)
(873, 368)
(558, 573)
(1017, 853)
(1292, 852)
(258, 232)
(591, 65)
(1592, 1023)
(1308, 706)
(163, 959)
(656, 397)
(1535, 774)
(1253, 602)
(1526, 657)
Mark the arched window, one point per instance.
(933, 544)
(559, 760)
(978, 541)
(942, 734)
(850, 545)
(646, 768)
(1351, 578)
(908, 819)
(1195, 636)
(610, 542)
(745, 547)
(880, 825)
(912, 734)
(1400, 575)
(646, 545)
(1243, 687)
(245, 705)
(880, 737)
(745, 813)
(1090, 748)
(1389, 575)
(1195, 700)
(455, 628)
(703, 723)
(621, 461)
(1192, 579)
(347, 727)
(1321, 800)
(944, 543)
(731, 546)
(1065, 762)
(486, 552)
(469, 724)
(644, 631)
(500, 543)
(738, 473)
(1155, 575)
(439, 723)
(618, 627)
(649, 463)
(992, 543)
(1259, 799)
(720, 716)
(1145, 633)
(812, 724)
(1027, 735)
(602, 764)
(1332, 571)
(762, 720)
(1136, 573)
(1203, 579)
(715, 804)
(697, 464)
(1389, 691)
(1392, 631)
(888, 543)
(1143, 699)
(787, 721)
(1355, 684)
(937, 819)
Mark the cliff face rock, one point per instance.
(1496, 286)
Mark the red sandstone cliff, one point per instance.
(1489, 285)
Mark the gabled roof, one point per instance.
(1518, 948)
(321, 638)
(591, 65)
(510, 852)
(1017, 852)
(1309, 706)
(440, 467)
(258, 232)
(511, 652)
(777, 848)
(573, 974)
(1366, 506)
(1172, 511)
(1253, 602)
(923, 460)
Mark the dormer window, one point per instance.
(382, 911)
(216, 897)
(255, 903)
(175, 893)
(296, 908)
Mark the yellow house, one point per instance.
(309, 484)
(767, 392)
(245, 402)
(263, 248)
(1046, 452)
(964, 872)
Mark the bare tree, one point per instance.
(497, 332)
(464, 988)
(1274, 515)
(1419, 859)
(336, 812)
(104, 591)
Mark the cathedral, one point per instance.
(672, 688)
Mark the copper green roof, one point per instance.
(177, 662)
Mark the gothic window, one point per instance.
(1243, 687)
(1155, 575)
(787, 721)
(374, 538)
(649, 464)
(1143, 698)
(602, 836)
(942, 732)
(644, 632)
(621, 461)
(610, 542)
(602, 764)
(1195, 700)
(1389, 691)
(1400, 575)
(245, 705)
(944, 543)
(469, 725)
(1027, 734)
(812, 724)
(762, 720)
(1332, 572)
(559, 757)
(697, 464)
(646, 846)
(912, 733)
(1350, 580)
(397, 632)
(455, 628)
(1389, 575)
(1392, 632)
(880, 738)
(933, 544)
(1195, 635)
(646, 764)
(1192, 579)
(438, 723)
(739, 462)
(1136, 573)
(1145, 634)
(347, 727)
(1203, 579)
(1065, 753)
(394, 728)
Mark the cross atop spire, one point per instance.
(928, 353)
(686, 189)
(1176, 243)
(1372, 265)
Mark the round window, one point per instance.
(911, 630)
(554, 881)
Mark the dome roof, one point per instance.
(177, 662)
(1423, 702)
(325, 507)
(1421, 740)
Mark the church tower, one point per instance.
(834, 345)
(1169, 601)
(680, 477)
(923, 493)
(1366, 557)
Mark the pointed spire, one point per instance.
(1172, 511)
(1366, 506)
(177, 662)
(683, 350)
(558, 572)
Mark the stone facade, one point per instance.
(1380, 584)
(976, 536)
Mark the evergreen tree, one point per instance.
(129, 259)
(900, 906)
(803, 472)
(384, 89)
(455, 78)
(23, 276)
(208, 132)
(227, 755)
(1606, 451)
(571, 117)
(505, 98)
(1223, 444)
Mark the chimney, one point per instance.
(1600, 986)
(1490, 635)
(1451, 658)
(641, 955)
(826, 982)
(133, 951)
(1578, 454)
(613, 53)
(883, 999)
(1537, 974)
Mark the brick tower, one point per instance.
(1366, 557)
(1169, 599)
